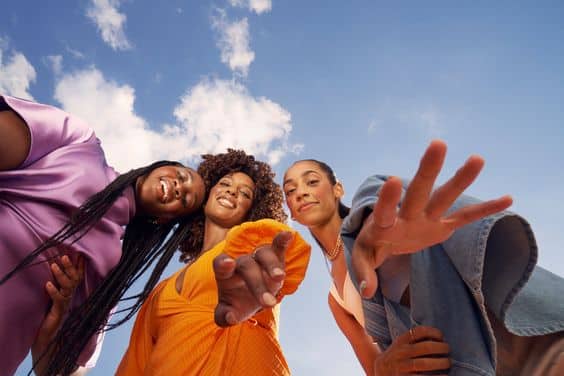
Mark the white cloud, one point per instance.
(233, 42)
(108, 109)
(110, 22)
(257, 6)
(16, 74)
(212, 116)
(55, 62)
(217, 114)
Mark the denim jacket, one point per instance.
(452, 283)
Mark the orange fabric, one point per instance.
(175, 334)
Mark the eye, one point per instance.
(312, 182)
(246, 194)
(224, 183)
(181, 176)
(290, 191)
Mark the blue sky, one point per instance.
(363, 85)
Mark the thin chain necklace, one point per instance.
(331, 256)
(336, 249)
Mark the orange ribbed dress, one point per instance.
(175, 334)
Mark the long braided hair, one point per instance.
(144, 244)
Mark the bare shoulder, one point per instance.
(15, 140)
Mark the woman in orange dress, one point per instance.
(175, 332)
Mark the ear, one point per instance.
(339, 190)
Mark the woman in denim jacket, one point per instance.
(437, 298)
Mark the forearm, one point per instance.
(363, 347)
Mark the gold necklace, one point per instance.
(336, 249)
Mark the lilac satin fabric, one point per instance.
(64, 167)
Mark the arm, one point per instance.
(365, 350)
(15, 140)
(67, 278)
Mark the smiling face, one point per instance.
(230, 200)
(170, 192)
(311, 197)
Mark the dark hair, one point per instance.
(268, 197)
(144, 244)
(343, 209)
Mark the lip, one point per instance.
(165, 190)
(306, 206)
(226, 202)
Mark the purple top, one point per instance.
(64, 167)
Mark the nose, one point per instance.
(301, 192)
(232, 191)
(180, 189)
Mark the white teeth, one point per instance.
(225, 202)
(164, 186)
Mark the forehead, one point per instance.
(302, 168)
(240, 178)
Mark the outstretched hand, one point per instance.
(67, 278)
(250, 282)
(421, 221)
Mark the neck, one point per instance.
(213, 234)
(328, 233)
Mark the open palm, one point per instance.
(421, 220)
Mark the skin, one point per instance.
(185, 190)
(67, 277)
(388, 232)
(228, 205)
(313, 202)
(169, 192)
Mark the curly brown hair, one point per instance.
(268, 197)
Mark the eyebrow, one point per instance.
(307, 172)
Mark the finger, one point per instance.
(418, 191)
(385, 209)
(224, 316)
(60, 302)
(420, 333)
(70, 270)
(250, 271)
(472, 213)
(268, 259)
(428, 348)
(223, 267)
(424, 365)
(64, 282)
(280, 243)
(444, 196)
(363, 269)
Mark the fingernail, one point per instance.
(362, 286)
(268, 299)
(277, 272)
(230, 318)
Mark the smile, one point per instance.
(165, 187)
(226, 203)
(306, 206)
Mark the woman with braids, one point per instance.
(449, 283)
(174, 332)
(58, 197)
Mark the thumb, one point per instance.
(281, 242)
(363, 270)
